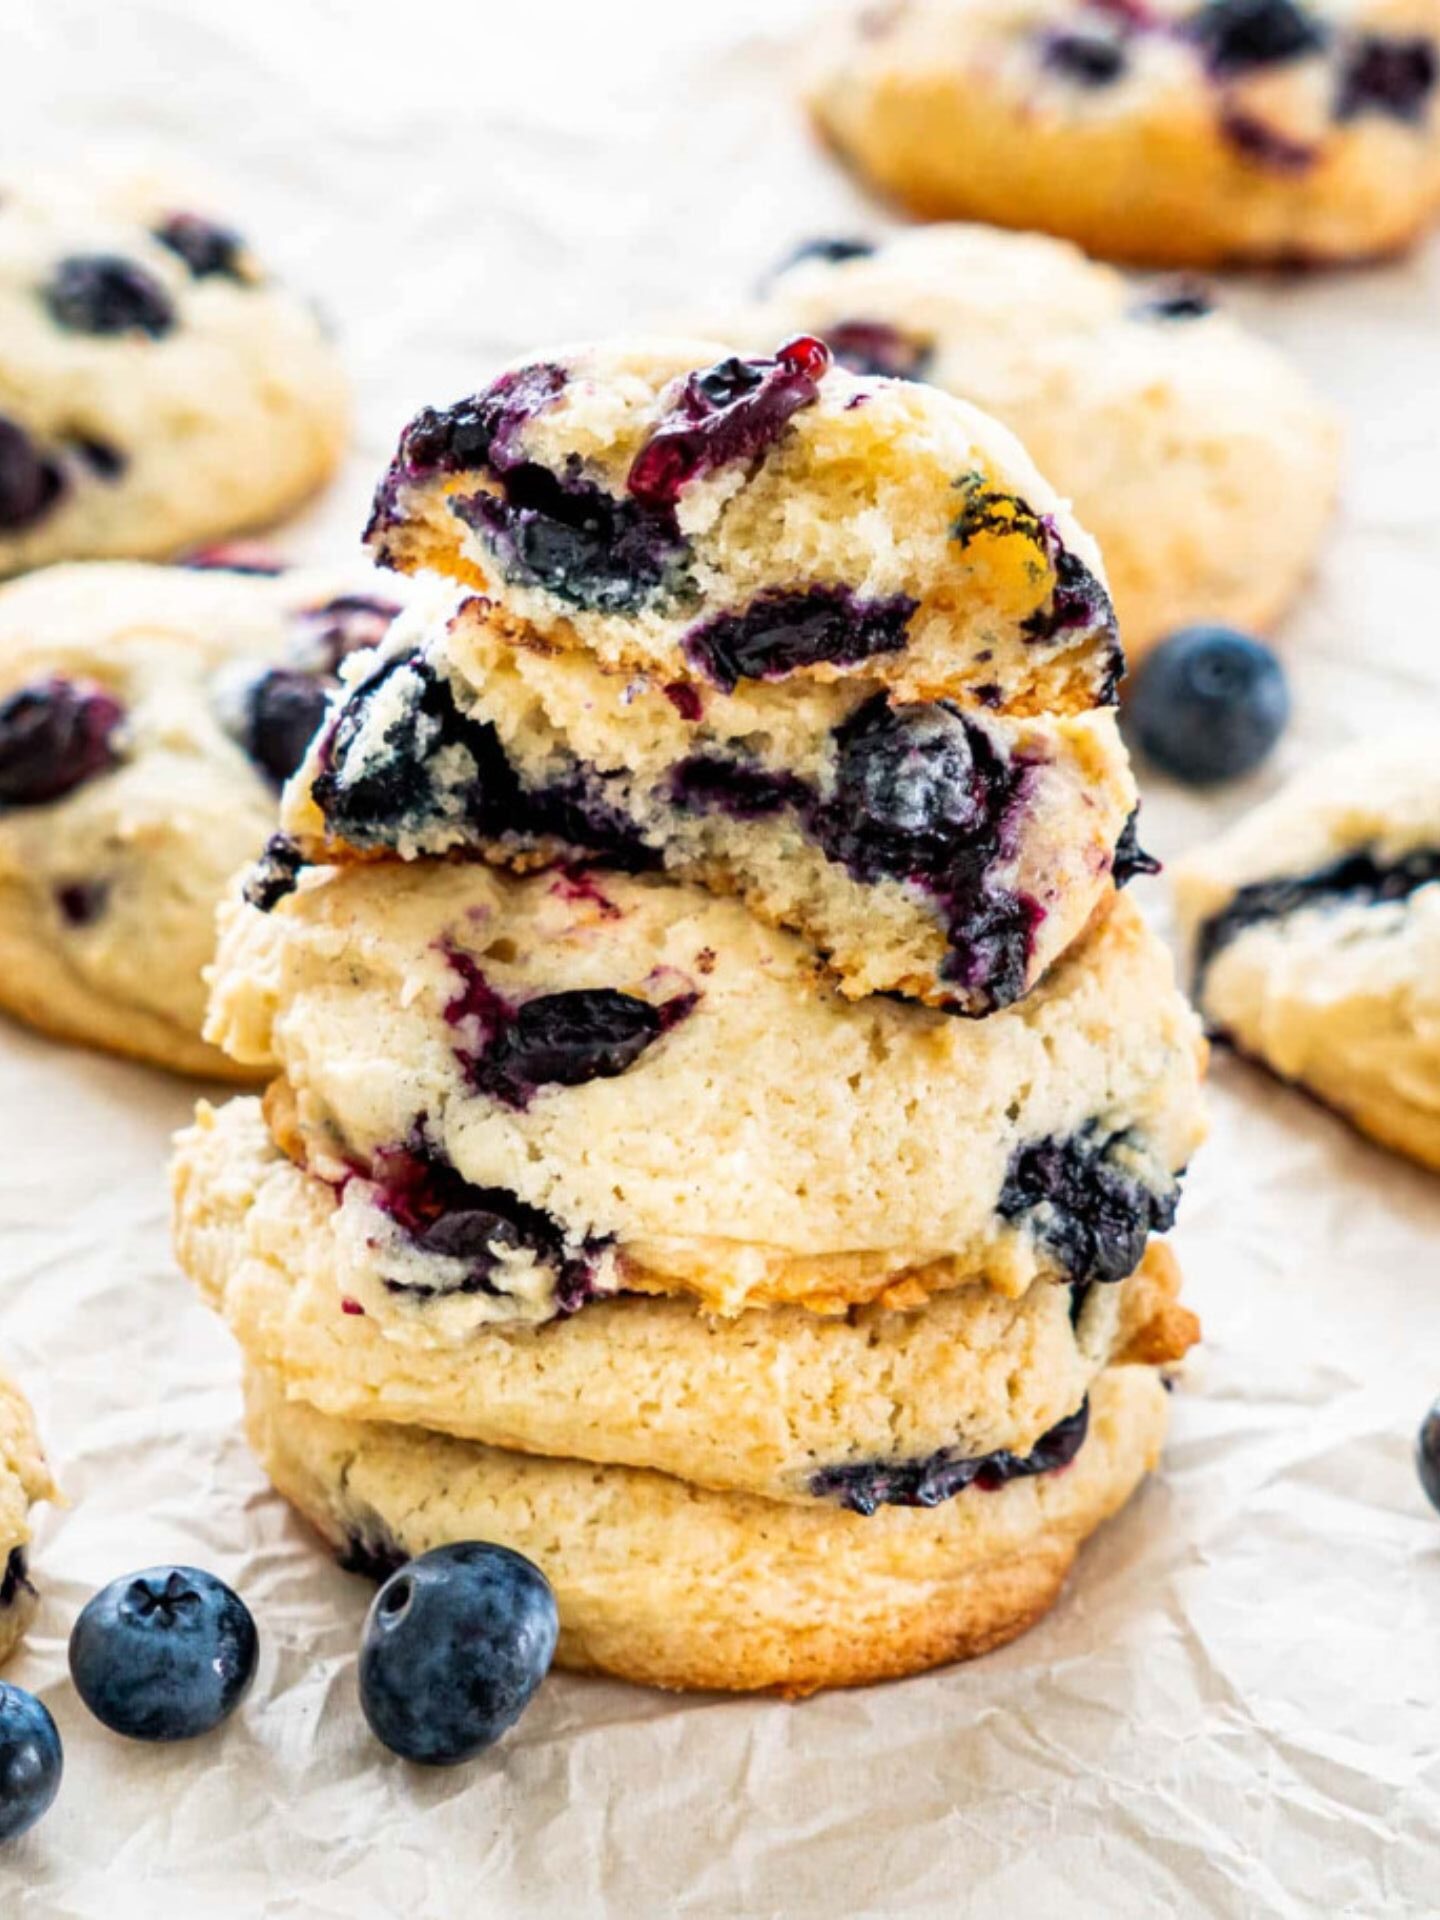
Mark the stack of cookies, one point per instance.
(721, 1101)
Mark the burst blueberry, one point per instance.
(1384, 74)
(454, 1647)
(283, 712)
(1088, 59)
(782, 632)
(54, 736)
(165, 1654)
(104, 293)
(31, 1761)
(31, 482)
(1087, 1207)
(1209, 704)
(207, 248)
(1241, 35)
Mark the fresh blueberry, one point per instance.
(164, 1654)
(105, 293)
(31, 1761)
(327, 634)
(1209, 704)
(455, 1645)
(205, 248)
(1427, 1455)
(1239, 35)
(283, 712)
(1358, 878)
(54, 736)
(30, 482)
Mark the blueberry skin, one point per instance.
(1209, 704)
(164, 1654)
(31, 1761)
(454, 1646)
(1427, 1455)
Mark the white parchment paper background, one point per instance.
(1236, 1709)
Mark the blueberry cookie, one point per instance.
(24, 1479)
(719, 520)
(1169, 131)
(948, 855)
(606, 1080)
(1315, 924)
(1198, 457)
(157, 386)
(676, 1586)
(147, 718)
(868, 1409)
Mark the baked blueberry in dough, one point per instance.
(943, 853)
(1162, 131)
(24, 1479)
(157, 386)
(748, 1136)
(1315, 930)
(148, 716)
(1199, 458)
(722, 520)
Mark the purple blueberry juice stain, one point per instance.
(781, 633)
(1356, 879)
(719, 416)
(863, 1486)
(1085, 1207)
(686, 700)
(54, 736)
(32, 483)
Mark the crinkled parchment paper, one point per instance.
(1236, 1708)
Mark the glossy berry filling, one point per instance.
(514, 1049)
(878, 350)
(104, 293)
(82, 902)
(206, 248)
(1357, 879)
(731, 412)
(442, 1213)
(868, 1484)
(1240, 35)
(31, 482)
(1390, 76)
(781, 633)
(1086, 1208)
(54, 736)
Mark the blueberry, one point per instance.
(567, 1039)
(1427, 1455)
(30, 482)
(283, 712)
(1239, 35)
(31, 1761)
(876, 349)
(1387, 75)
(832, 249)
(164, 1654)
(1084, 1205)
(1209, 704)
(911, 772)
(275, 874)
(105, 293)
(1178, 299)
(781, 632)
(206, 248)
(1089, 59)
(54, 736)
(455, 1645)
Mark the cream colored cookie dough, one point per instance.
(673, 1586)
(764, 1140)
(1169, 133)
(124, 693)
(1200, 459)
(951, 857)
(24, 1479)
(158, 387)
(1315, 924)
(759, 1404)
(715, 520)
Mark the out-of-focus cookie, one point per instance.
(24, 1479)
(1315, 924)
(675, 1586)
(622, 1081)
(1198, 457)
(157, 387)
(147, 718)
(1161, 131)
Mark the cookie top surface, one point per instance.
(670, 505)
(1200, 459)
(1164, 131)
(574, 1042)
(147, 717)
(157, 386)
(785, 1403)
